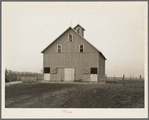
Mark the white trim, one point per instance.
(61, 48)
(79, 48)
(68, 37)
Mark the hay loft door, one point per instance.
(93, 74)
(69, 74)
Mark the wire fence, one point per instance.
(124, 80)
(22, 76)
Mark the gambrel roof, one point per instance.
(77, 34)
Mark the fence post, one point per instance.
(16, 78)
(140, 79)
(123, 79)
(27, 75)
(20, 77)
(106, 78)
(37, 76)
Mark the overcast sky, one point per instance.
(117, 29)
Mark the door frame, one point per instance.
(74, 72)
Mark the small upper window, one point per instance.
(59, 48)
(81, 48)
(70, 38)
(93, 71)
(78, 31)
(47, 70)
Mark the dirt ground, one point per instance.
(74, 95)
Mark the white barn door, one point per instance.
(46, 73)
(69, 74)
(93, 74)
(93, 77)
(46, 76)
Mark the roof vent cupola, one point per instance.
(80, 30)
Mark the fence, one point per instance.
(124, 80)
(22, 76)
(32, 78)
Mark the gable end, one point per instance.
(56, 39)
(77, 34)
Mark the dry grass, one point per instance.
(57, 95)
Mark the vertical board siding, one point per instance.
(70, 47)
(72, 58)
(86, 77)
(58, 76)
(69, 74)
(101, 65)
(93, 77)
(77, 61)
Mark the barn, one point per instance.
(70, 57)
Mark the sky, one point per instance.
(117, 29)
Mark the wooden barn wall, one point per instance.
(58, 76)
(70, 46)
(77, 61)
(71, 57)
(101, 65)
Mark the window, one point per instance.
(59, 48)
(70, 37)
(93, 71)
(47, 70)
(78, 31)
(81, 48)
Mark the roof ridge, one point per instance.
(55, 39)
(79, 25)
(89, 43)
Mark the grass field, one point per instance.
(75, 95)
